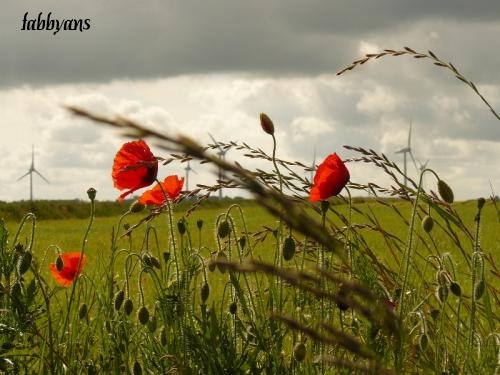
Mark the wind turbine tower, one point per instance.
(407, 150)
(187, 170)
(222, 154)
(30, 172)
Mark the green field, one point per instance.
(181, 334)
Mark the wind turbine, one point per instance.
(222, 154)
(31, 171)
(187, 170)
(407, 150)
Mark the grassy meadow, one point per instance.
(305, 278)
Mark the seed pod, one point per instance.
(91, 193)
(223, 229)
(24, 262)
(427, 223)
(205, 292)
(456, 289)
(128, 306)
(211, 265)
(137, 369)
(299, 351)
(479, 287)
(143, 315)
(181, 226)
(266, 124)
(442, 293)
(199, 223)
(118, 299)
(445, 192)
(288, 248)
(166, 256)
(59, 264)
(82, 311)
(163, 336)
(233, 307)
(325, 205)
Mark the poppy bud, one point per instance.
(91, 192)
(59, 264)
(223, 229)
(24, 262)
(455, 289)
(155, 262)
(266, 124)
(205, 292)
(427, 223)
(479, 287)
(166, 256)
(118, 300)
(136, 207)
(82, 312)
(288, 248)
(153, 324)
(143, 315)
(211, 265)
(137, 368)
(128, 306)
(233, 307)
(242, 241)
(299, 351)
(423, 341)
(163, 336)
(199, 223)
(480, 203)
(445, 191)
(435, 313)
(222, 257)
(181, 226)
(442, 293)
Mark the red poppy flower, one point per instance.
(172, 185)
(69, 270)
(134, 167)
(330, 178)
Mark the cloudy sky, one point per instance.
(211, 67)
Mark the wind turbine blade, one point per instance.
(24, 175)
(414, 162)
(217, 144)
(38, 173)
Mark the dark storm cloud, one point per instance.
(128, 39)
